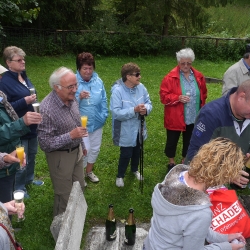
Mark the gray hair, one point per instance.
(185, 53)
(57, 75)
(11, 51)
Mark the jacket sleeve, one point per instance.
(118, 111)
(167, 95)
(2, 163)
(104, 107)
(193, 236)
(147, 101)
(203, 90)
(12, 130)
(202, 133)
(229, 81)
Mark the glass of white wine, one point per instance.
(18, 197)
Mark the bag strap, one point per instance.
(9, 234)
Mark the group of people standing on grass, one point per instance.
(61, 136)
(58, 127)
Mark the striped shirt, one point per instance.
(58, 120)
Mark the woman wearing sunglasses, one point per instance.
(128, 103)
(183, 92)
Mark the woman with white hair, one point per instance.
(183, 92)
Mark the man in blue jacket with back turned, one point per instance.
(229, 117)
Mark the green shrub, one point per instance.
(126, 42)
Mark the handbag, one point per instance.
(16, 245)
(229, 216)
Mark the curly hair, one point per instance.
(85, 58)
(217, 162)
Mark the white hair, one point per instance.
(57, 75)
(185, 53)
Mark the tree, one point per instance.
(66, 14)
(166, 16)
(16, 12)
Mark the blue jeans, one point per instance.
(127, 154)
(26, 176)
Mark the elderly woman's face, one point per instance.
(16, 64)
(86, 72)
(185, 64)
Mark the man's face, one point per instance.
(68, 87)
(242, 108)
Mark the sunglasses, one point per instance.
(136, 74)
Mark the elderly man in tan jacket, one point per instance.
(237, 73)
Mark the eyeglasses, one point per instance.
(186, 63)
(70, 87)
(136, 74)
(19, 60)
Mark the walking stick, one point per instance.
(141, 153)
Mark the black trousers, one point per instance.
(7, 188)
(129, 154)
(173, 138)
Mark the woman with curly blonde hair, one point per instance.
(181, 207)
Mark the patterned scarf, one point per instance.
(4, 219)
(9, 109)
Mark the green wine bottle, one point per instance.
(130, 229)
(111, 224)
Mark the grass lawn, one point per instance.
(35, 233)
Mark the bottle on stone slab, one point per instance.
(110, 224)
(130, 229)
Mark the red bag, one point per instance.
(229, 216)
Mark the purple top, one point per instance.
(58, 120)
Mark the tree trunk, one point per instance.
(165, 26)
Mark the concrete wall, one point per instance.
(70, 225)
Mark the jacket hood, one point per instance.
(172, 197)
(116, 84)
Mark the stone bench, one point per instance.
(96, 239)
(67, 228)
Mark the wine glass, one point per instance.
(32, 90)
(18, 197)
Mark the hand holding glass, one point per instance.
(84, 120)
(20, 154)
(18, 197)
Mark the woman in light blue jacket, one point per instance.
(129, 100)
(92, 99)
